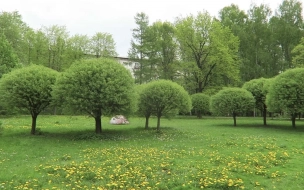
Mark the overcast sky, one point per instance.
(114, 16)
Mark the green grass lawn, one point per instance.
(188, 153)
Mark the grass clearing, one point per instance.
(188, 153)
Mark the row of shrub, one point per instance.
(105, 87)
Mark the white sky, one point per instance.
(114, 16)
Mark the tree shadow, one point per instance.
(112, 134)
(277, 124)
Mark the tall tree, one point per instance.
(38, 45)
(57, 37)
(29, 41)
(162, 49)
(288, 28)
(102, 45)
(8, 58)
(259, 51)
(138, 51)
(234, 18)
(14, 29)
(77, 47)
(205, 45)
(258, 35)
(298, 54)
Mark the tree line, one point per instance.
(205, 53)
(50, 46)
(200, 52)
(199, 55)
(101, 87)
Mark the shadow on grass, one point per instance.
(117, 134)
(272, 124)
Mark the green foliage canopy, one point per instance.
(257, 89)
(8, 58)
(287, 93)
(139, 46)
(103, 45)
(143, 108)
(28, 88)
(209, 49)
(200, 103)
(298, 54)
(97, 87)
(164, 97)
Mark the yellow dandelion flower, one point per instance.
(230, 182)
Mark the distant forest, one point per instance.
(200, 52)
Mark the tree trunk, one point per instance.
(264, 113)
(234, 118)
(34, 119)
(199, 114)
(200, 87)
(293, 120)
(158, 123)
(55, 110)
(147, 122)
(98, 128)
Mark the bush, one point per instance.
(201, 104)
(232, 101)
(286, 93)
(28, 88)
(162, 98)
(96, 87)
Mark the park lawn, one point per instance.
(188, 153)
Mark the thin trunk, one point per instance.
(264, 113)
(98, 128)
(55, 110)
(147, 122)
(29, 55)
(37, 55)
(141, 69)
(34, 119)
(200, 87)
(49, 58)
(53, 61)
(158, 123)
(293, 120)
(199, 114)
(234, 118)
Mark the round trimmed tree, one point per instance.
(259, 90)
(200, 103)
(232, 101)
(28, 88)
(286, 93)
(164, 97)
(97, 87)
